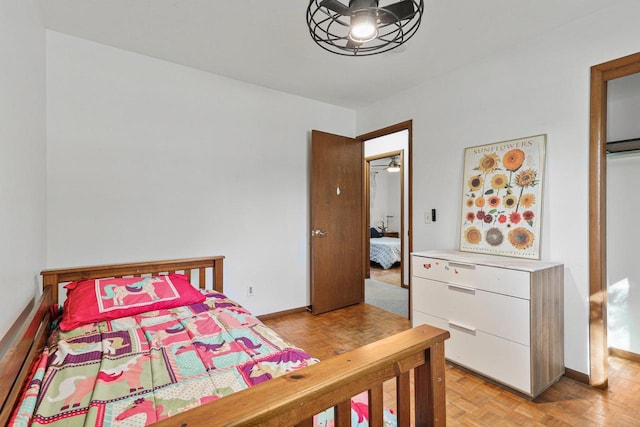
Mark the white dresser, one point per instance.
(505, 315)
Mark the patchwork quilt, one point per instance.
(140, 369)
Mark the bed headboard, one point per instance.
(54, 277)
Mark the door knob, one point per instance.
(318, 233)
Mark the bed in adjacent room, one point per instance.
(138, 343)
(385, 251)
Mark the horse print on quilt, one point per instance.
(136, 370)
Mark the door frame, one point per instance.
(598, 347)
(408, 192)
(367, 206)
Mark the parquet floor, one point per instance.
(472, 401)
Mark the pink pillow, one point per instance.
(90, 301)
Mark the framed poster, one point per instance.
(502, 197)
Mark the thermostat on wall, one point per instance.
(430, 216)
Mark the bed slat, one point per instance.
(202, 280)
(218, 270)
(403, 399)
(376, 406)
(342, 414)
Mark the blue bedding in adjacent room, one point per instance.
(385, 251)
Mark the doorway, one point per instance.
(388, 217)
(598, 346)
(338, 217)
(385, 204)
(623, 177)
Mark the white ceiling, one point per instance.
(266, 42)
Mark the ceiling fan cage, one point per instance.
(329, 25)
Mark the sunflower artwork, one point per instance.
(502, 196)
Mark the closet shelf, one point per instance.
(623, 145)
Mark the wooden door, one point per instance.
(337, 221)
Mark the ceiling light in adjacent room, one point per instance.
(394, 166)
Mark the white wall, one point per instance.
(534, 88)
(379, 195)
(385, 197)
(152, 160)
(22, 158)
(623, 235)
(394, 201)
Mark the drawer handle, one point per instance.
(461, 265)
(464, 289)
(462, 327)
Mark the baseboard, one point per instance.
(275, 315)
(624, 354)
(576, 376)
(616, 352)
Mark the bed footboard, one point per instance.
(295, 398)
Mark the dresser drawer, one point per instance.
(499, 359)
(493, 279)
(475, 309)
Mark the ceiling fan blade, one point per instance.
(403, 10)
(335, 5)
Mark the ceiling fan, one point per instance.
(364, 27)
(392, 166)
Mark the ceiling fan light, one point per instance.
(364, 27)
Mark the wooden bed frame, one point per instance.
(292, 399)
